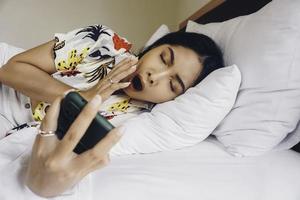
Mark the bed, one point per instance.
(204, 171)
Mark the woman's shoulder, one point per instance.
(84, 56)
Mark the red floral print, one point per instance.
(120, 43)
(70, 73)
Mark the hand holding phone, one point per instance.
(70, 108)
(51, 158)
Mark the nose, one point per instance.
(154, 78)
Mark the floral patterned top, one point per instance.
(85, 55)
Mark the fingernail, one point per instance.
(133, 58)
(133, 67)
(96, 101)
(68, 91)
(126, 84)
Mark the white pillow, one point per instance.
(265, 47)
(185, 121)
(160, 32)
(7, 51)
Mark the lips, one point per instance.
(137, 83)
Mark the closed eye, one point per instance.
(171, 83)
(162, 59)
(171, 86)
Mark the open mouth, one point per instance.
(137, 83)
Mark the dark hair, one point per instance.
(209, 53)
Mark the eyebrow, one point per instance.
(177, 76)
(180, 82)
(172, 55)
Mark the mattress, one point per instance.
(204, 171)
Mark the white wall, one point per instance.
(27, 23)
(188, 7)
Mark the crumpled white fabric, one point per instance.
(15, 151)
(185, 121)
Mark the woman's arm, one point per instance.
(29, 72)
(53, 166)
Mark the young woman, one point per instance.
(88, 59)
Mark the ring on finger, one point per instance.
(46, 133)
(111, 81)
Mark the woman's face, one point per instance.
(164, 73)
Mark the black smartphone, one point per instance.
(70, 108)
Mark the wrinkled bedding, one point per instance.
(204, 171)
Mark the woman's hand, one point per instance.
(105, 87)
(54, 167)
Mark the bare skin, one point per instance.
(35, 67)
(53, 166)
(165, 72)
(156, 70)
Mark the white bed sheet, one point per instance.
(204, 171)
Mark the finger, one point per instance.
(129, 59)
(122, 67)
(49, 122)
(122, 62)
(116, 76)
(103, 147)
(126, 68)
(89, 166)
(46, 145)
(99, 152)
(79, 127)
(124, 74)
(98, 165)
(36, 152)
(112, 88)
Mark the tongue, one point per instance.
(136, 83)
